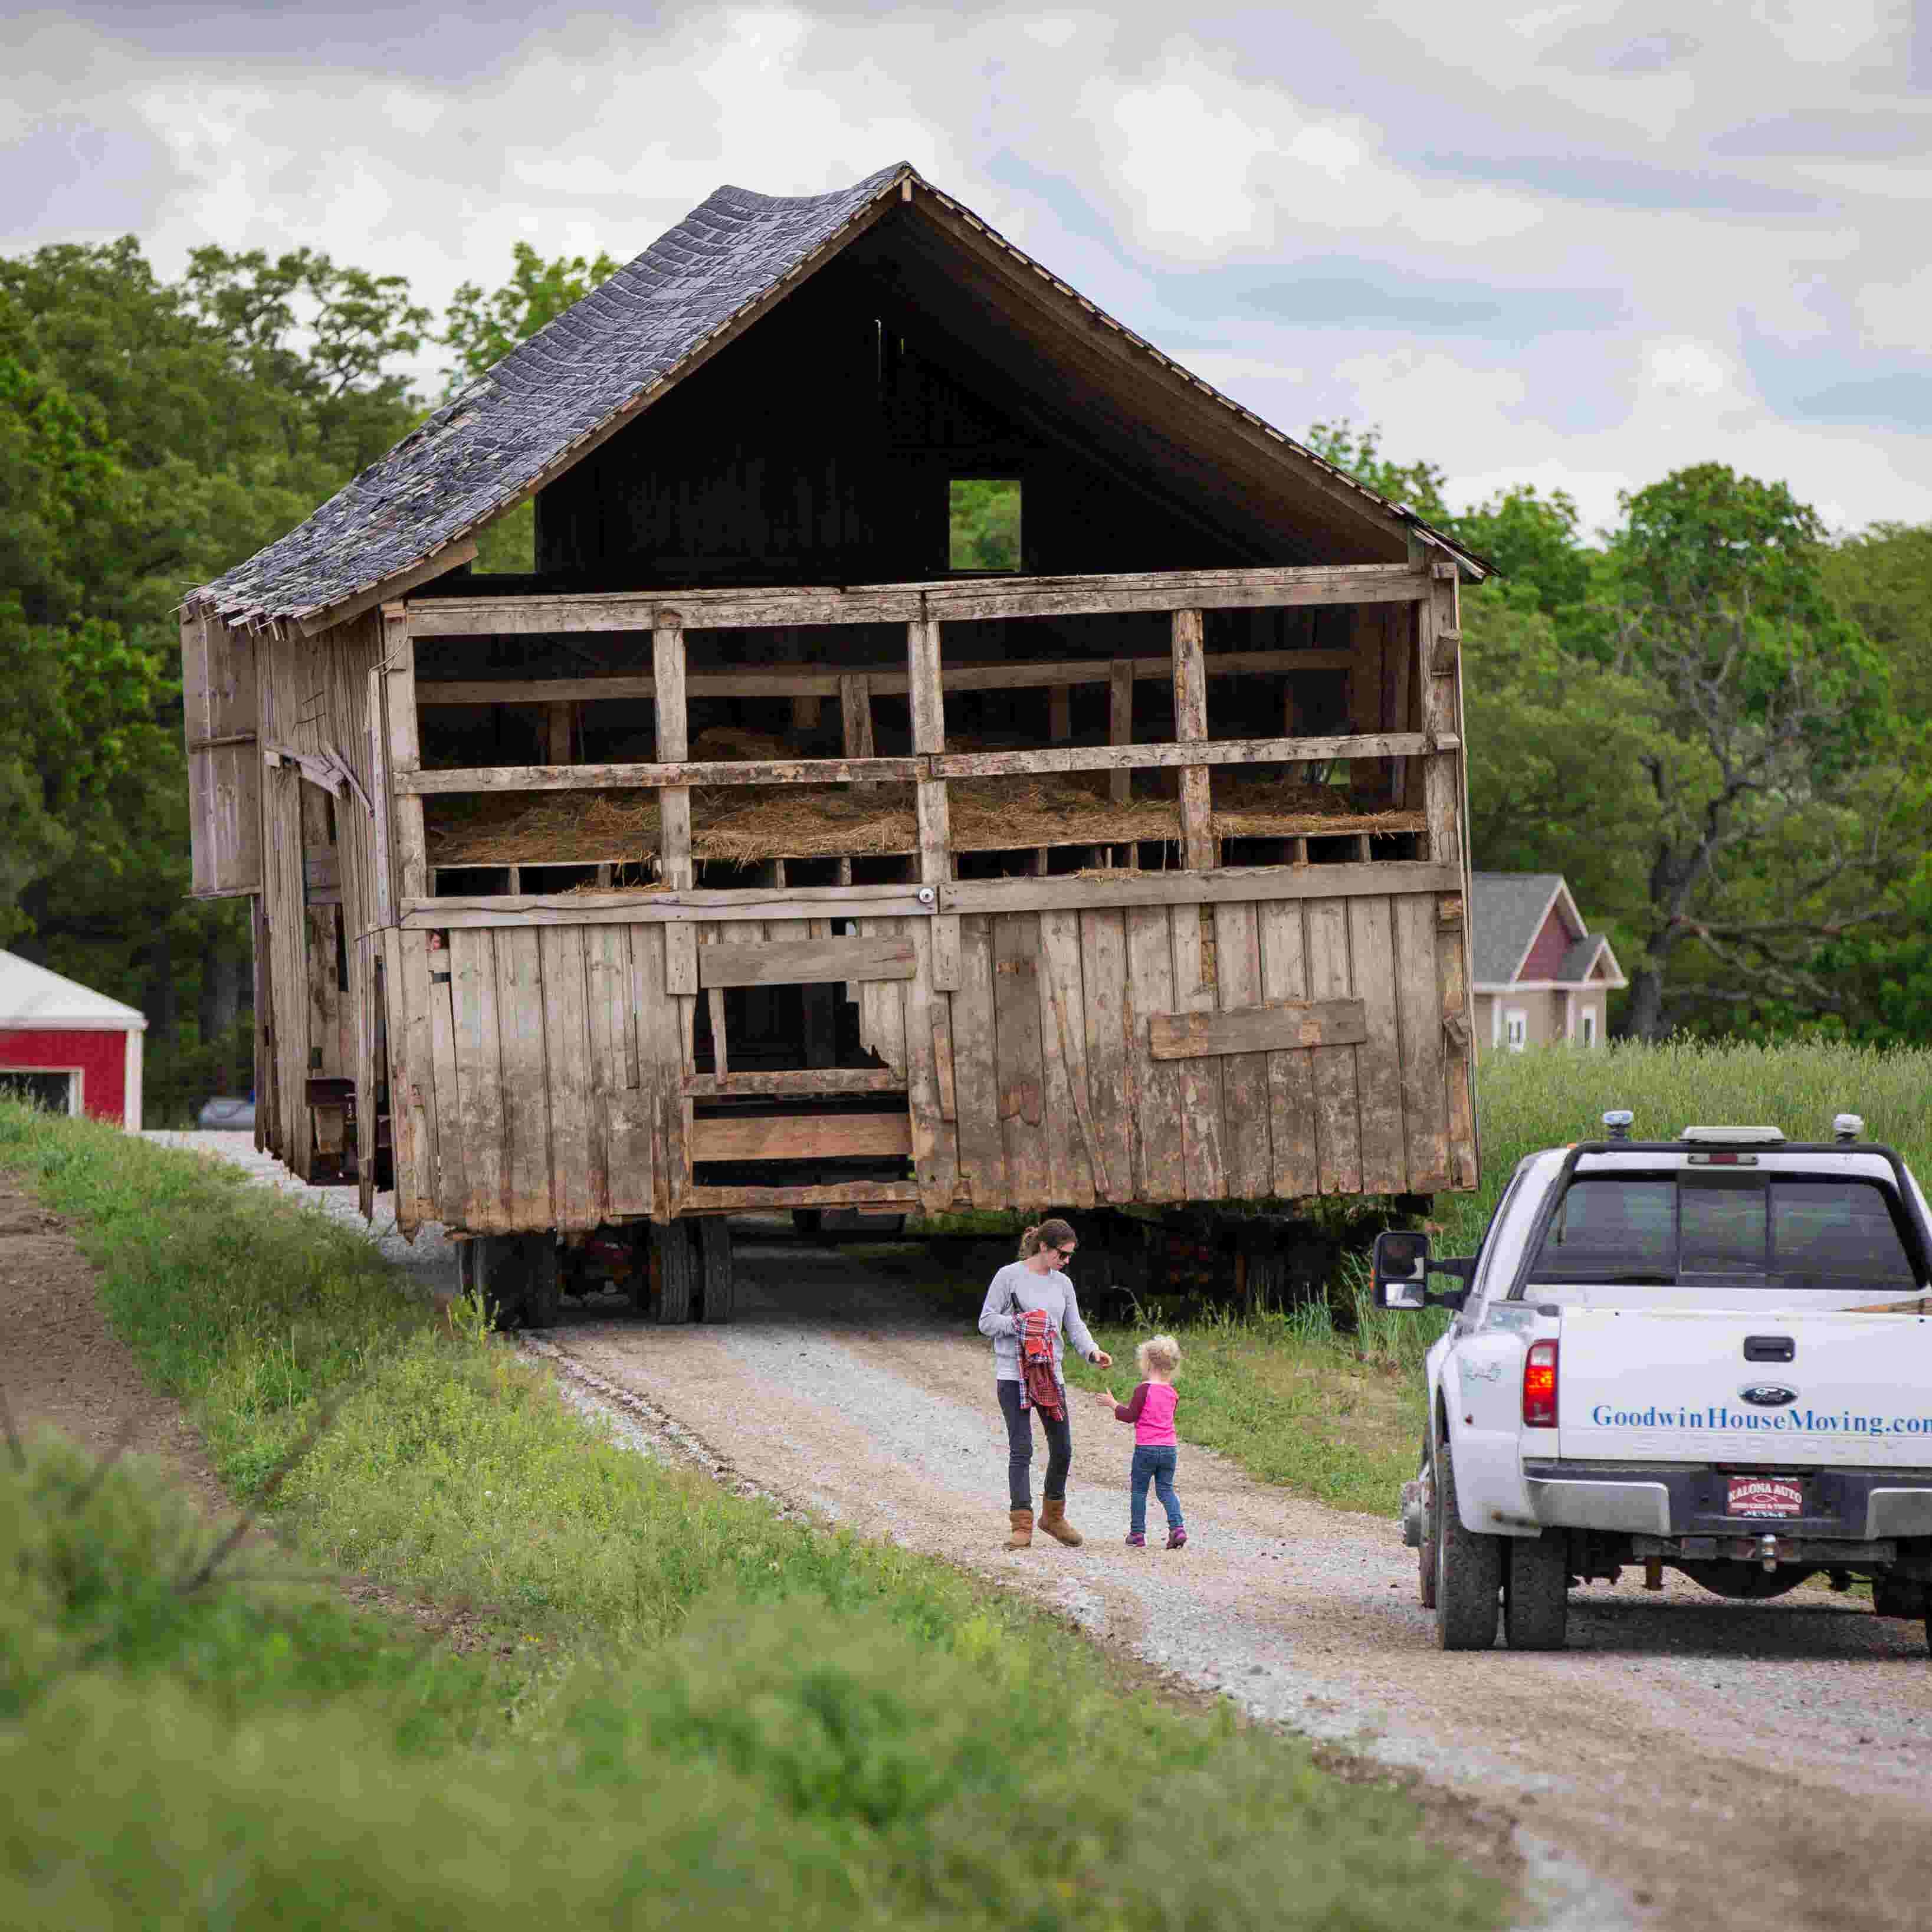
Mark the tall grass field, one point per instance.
(683, 1709)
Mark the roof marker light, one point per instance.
(1733, 1136)
(1847, 1126)
(1618, 1119)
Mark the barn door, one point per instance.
(224, 766)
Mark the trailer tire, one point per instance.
(675, 1253)
(718, 1292)
(493, 1269)
(1468, 1570)
(1536, 1591)
(808, 1223)
(543, 1281)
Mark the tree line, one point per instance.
(1713, 717)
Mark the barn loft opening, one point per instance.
(982, 527)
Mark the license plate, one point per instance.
(1765, 1495)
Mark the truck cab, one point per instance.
(1712, 1354)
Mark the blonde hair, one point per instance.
(1047, 1234)
(1159, 1352)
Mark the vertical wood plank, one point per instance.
(1060, 714)
(1244, 1076)
(519, 1026)
(1292, 1132)
(578, 1184)
(983, 1158)
(1120, 723)
(927, 699)
(660, 1053)
(1338, 1127)
(1459, 1074)
(382, 883)
(620, 1109)
(1190, 724)
(935, 1159)
(1378, 1065)
(1110, 1065)
(1018, 1055)
(414, 1072)
(1202, 1113)
(667, 658)
(855, 718)
(1067, 1110)
(1163, 1175)
(433, 1089)
(265, 1025)
(1425, 1116)
(405, 1154)
(399, 704)
(478, 1115)
(1442, 775)
(942, 1050)
(365, 1078)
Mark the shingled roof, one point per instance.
(406, 516)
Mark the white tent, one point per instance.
(70, 1041)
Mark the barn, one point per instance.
(68, 1047)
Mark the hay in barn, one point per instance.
(738, 825)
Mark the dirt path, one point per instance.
(1698, 1763)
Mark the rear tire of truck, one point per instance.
(543, 1281)
(1536, 1591)
(719, 1294)
(675, 1250)
(1468, 1570)
(1425, 1550)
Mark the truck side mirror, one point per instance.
(1400, 1271)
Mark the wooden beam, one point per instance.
(804, 962)
(399, 706)
(1390, 876)
(1263, 1029)
(450, 557)
(1120, 723)
(669, 776)
(882, 680)
(674, 747)
(796, 1083)
(1190, 726)
(1196, 751)
(929, 738)
(946, 601)
(883, 1194)
(690, 907)
(802, 1137)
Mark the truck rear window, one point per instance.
(1776, 1231)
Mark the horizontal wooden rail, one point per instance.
(934, 765)
(950, 600)
(884, 680)
(804, 962)
(887, 1194)
(698, 771)
(794, 1083)
(679, 908)
(1199, 752)
(1375, 878)
(802, 1137)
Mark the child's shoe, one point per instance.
(1136, 1541)
(1176, 1537)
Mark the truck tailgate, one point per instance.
(1671, 1386)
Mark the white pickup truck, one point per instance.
(1713, 1353)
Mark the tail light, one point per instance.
(1539, 1386)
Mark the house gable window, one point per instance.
(1516, 1029)
(982, 523)
(1589, 1026)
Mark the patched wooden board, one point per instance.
(1263, 1029)
(805, 962)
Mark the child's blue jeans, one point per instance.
(1153, 1462)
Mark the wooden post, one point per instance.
(1060, 713)
(1120, 723)
(673, 801)
(928, 736)
(406, 809)
(1442, 781)
(1190, 725)
(559, 733)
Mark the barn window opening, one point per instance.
(983, 523)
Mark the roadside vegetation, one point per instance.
(1326, 1398)
(690, 1709)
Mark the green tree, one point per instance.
(1419, 484)
(480, 330)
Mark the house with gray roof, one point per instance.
(1540, 975)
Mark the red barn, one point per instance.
(73, 1048)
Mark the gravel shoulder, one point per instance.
(1687, 1762)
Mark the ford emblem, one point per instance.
(1767, 1395)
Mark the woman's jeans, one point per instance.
(1153, 1462)
(1019, 1448)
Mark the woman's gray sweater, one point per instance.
(1053, 1292)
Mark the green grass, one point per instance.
(709, 1715)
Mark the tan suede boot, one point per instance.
(1022, 1536)
(1053, 1520)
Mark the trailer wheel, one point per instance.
(808, 1223)
(495, 1271)
(718, 1300)
(1536, 1591)
(543, 1280)
(674, 1258)
(644, 1267)
(1468, 1570)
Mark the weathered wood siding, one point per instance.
(224, 767)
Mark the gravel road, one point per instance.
(1699, 1763)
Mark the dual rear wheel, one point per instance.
(1478, 1580)
(690, 1275)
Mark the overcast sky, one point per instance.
(1578, 244)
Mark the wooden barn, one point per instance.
(945, 754)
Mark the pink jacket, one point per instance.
(1151, 1409)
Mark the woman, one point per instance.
(1036, 1284)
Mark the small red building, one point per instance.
(73, 1048)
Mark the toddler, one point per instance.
(1151, 1409)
